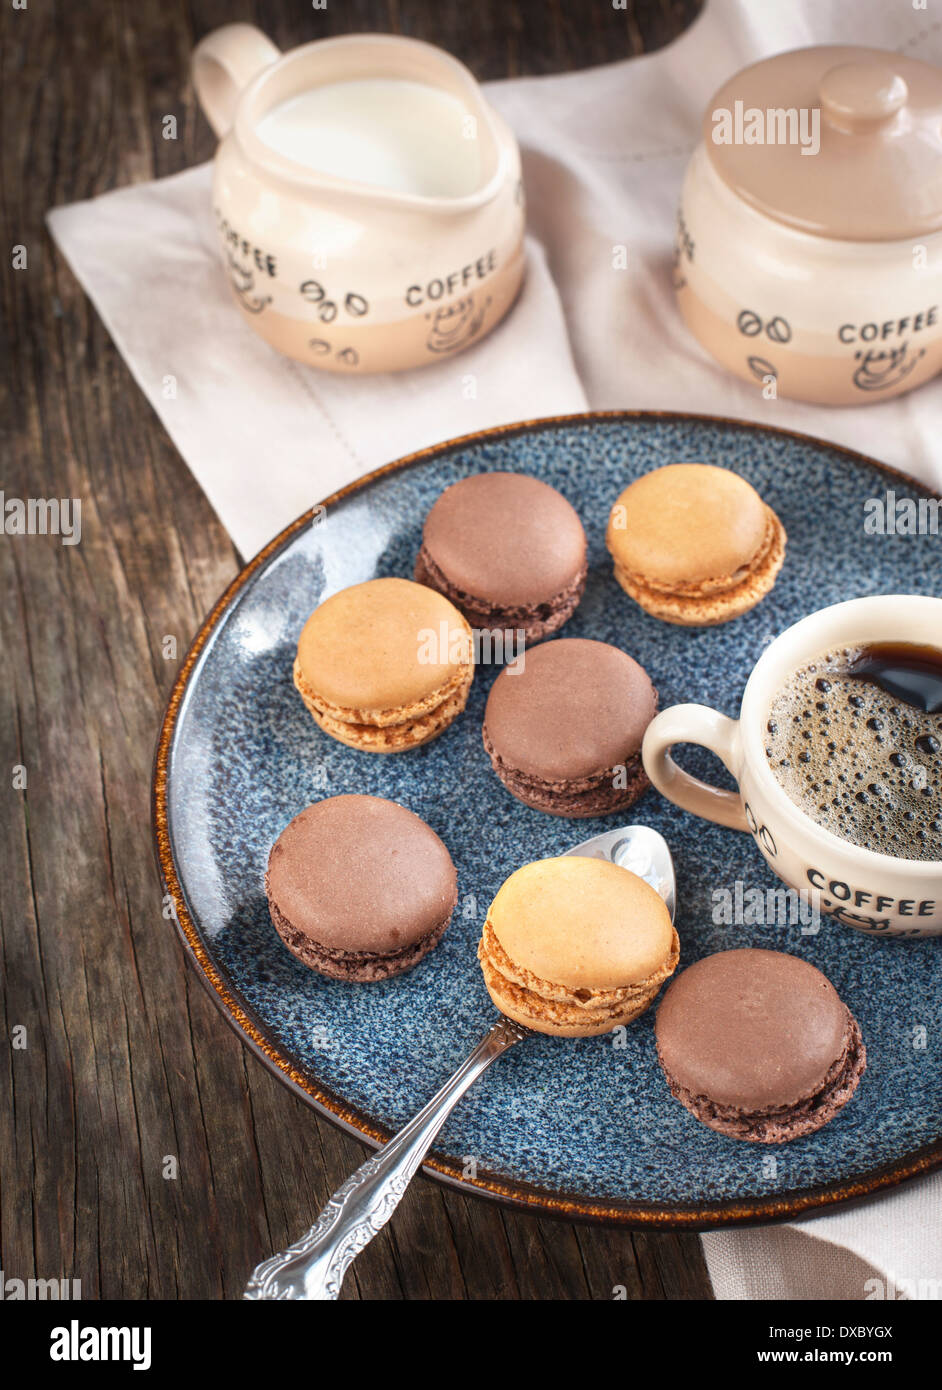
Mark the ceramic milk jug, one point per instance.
(809, 248)
(368, 200)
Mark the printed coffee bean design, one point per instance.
(761, 368)
(777, 330)
(761, 833)
(322, 348)
(313, 291)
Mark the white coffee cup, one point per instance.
(875, 893)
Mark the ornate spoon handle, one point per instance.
(313, 1268)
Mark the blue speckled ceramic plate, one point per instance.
(579, 1128)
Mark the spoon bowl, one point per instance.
(639, 849)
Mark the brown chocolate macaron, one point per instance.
(563, 727)
(758, 1045)
(508, 550)
(359, 888)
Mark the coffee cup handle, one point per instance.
(222, 66)
(710, 729)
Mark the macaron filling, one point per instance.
(780, 1124)
(540, 1002)
(536, 620)
(613, 789)
(758, 1045)
(357, 967)
(388, 730)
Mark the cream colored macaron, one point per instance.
(385, 666)
(576, 946)
(694, 544)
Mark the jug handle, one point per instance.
(222, 66)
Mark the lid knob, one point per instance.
(858, 97)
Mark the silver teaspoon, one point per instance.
(314, 1267)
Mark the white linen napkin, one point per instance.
(604, 154)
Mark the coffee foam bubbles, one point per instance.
(857, 760)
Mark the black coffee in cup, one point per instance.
(855, 740)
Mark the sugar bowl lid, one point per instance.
(839, 141)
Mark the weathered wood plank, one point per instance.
(127, 1060)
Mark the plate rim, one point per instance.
(633, 1214)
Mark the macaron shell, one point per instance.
(505, 537)
(687, 523)
(553, 1009)
(782, 1125)
(751, 1029)
(354, 967)
(573, 708)
(376, 648)
(582, 923)
(575, 799)
(556, 1021)
(393, 731)
(361, 874)
(527, 622)
(716, 602)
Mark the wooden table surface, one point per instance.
(142, 1149)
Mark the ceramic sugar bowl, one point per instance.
(368, 201)
(809, 249)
